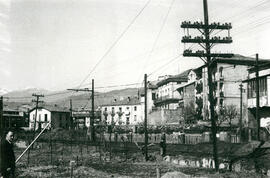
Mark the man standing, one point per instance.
(163, 145)
(7, 156)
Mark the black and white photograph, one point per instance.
(134, 89)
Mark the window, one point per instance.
(262, 87)
(153, 96)
(45, 117)
(135, 108)
(221, 71)
(127, 107)
(39, 117)
(127, 123)
(120, 108)
(105, 109)
(135, 118)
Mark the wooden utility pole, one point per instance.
(37, 101)
(92, 119)
(1, 116)
(210, 86)
(241, 115)
(70, 110)
(145, 119)
(207, 42)
(257, 97)
(92, 115)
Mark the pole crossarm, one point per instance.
(200, 39)
(201, 25)
(201, 53)
(207, 42)
(77, 90)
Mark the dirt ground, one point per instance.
(94, 161)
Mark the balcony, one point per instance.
(167, 100)
(263, 102)
(105, 113)
(221, 78)
(221, 94)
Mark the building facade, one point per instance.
(14, 118)
(81, 118)
(227, 75)
(264, 97)
(167, 96)
(59, 118)
(128, 111)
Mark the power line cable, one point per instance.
(157, 38)
(164, 65)
(114, 44)
(117, 40)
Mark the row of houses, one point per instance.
(173, 99)
(57, 116)
(183, 98)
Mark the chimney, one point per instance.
(114, 100)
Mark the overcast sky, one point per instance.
(55, 44)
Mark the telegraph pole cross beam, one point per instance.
(207, 42)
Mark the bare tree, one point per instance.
(227, 114)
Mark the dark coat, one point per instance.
(7, 156)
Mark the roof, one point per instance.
(241, 60)
(182, 77)
(152, 84)
(52, 108)
(186, 84)
(261, 67)
(126, 101)
(238, 59)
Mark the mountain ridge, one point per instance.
(80, 100)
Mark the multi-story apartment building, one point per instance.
(190, 97)
(167, 96)
(128, 111)
(264, 96)
(228, 74)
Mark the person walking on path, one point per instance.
(7, 156)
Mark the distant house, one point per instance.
(81, 118)
(14, 118)
(190, 97)
(264, 96)
(167, 96)
(59, 117)
(128, 111)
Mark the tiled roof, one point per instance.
(238, 59)
(182, 77)
(52, 108)
(126, 101)
(261, 67)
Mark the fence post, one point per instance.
(28, 154)
(71, 164)
(158, 172)
(51, 148)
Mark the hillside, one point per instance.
(62, 98)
